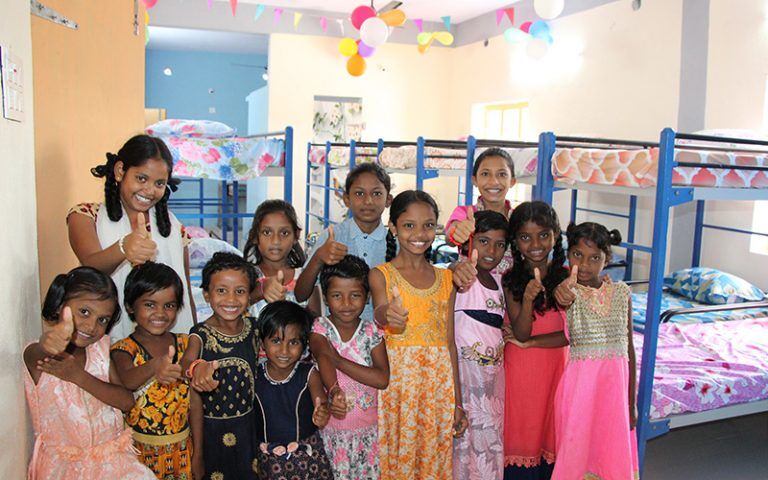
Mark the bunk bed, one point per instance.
(695, 370)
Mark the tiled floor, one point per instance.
(735, 449)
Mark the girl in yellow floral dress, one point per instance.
(421, 410)
(148, 363)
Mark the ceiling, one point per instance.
(187, 39)
(429, 10)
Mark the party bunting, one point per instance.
(210, 4)
(296, 19)
(447, 22)
(499, 16)
(259, 11)
(341, 25)
(149, 3)
(278, 14)
(419, 24)
(233, 6)
(510, 14)
(324, 24)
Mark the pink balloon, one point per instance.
(364, 50)
(149, 3)
(361, 14)
(525, 27)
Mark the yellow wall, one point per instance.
(89, 99)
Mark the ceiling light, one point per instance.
(167, 71)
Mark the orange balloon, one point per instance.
(393, 18)
(356, 65)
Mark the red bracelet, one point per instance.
(192, 366)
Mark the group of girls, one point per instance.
(413, 372)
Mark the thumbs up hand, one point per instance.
(565, 293)
(138, 245)
(56, 337)
(331, 252)
(464, 228)
(338, 405)
(274, 290)
(202, 377)
(465, 271)
(321, 414)
(397, 314)
(166, 372)
(534, 287)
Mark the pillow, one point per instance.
(713, 287)
(190, 128)
(202, 249)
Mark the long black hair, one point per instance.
(516, 279)
(296, 257)
(135, 153)
(151, 277)
(595, 233)
(399, 205)
(79, 282)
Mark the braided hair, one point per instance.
(296, 257)
(399, 205)
(516, 279)
(135, 153)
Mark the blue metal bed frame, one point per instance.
(230, 209)
(667, 196)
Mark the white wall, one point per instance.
(737, 69)
(19, 291)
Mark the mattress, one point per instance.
(639, 168)
(707, 366)
(670, 300)
(231, 158)
(339, 156)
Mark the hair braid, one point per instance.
(391, 247)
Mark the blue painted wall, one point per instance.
(185, 94)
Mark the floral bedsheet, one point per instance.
(704, 366)
(339, 157)
(233, 158)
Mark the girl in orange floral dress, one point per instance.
(421, 410)
(148, 363)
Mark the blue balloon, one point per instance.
(539, 29)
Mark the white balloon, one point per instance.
(374, 32)
(537, 48)
(548, 9)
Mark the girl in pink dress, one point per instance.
(73, 392)
(535, 356)
(478, 317)
(595, 402)
(352, 357)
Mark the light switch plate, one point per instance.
(12, 85)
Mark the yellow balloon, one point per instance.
(146, 18)
(393, 18)
(348, 47)
(446, 38)
(356, 65)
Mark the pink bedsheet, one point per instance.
(706, 366)
(639, 168)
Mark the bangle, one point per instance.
(192, 366)
(120, 244)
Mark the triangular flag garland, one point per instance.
(210, 4)
(340, 21)
(324, 24)
(510, 14)
(499, 16)
(259, 10)
(278, 14)
(296, 19)
(233, 6)
(419, 24)
(447, 22)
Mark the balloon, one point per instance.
(374, 32)
(347, 47)
(446, 38)
(549, 40)
(356, 65)
(525, 26)
(515, 35)
(393, 18)
(424, 38)
(539, 29)
(548, 9)
(149, 3)
(537, 48)
(361, 14)
(364, 50)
